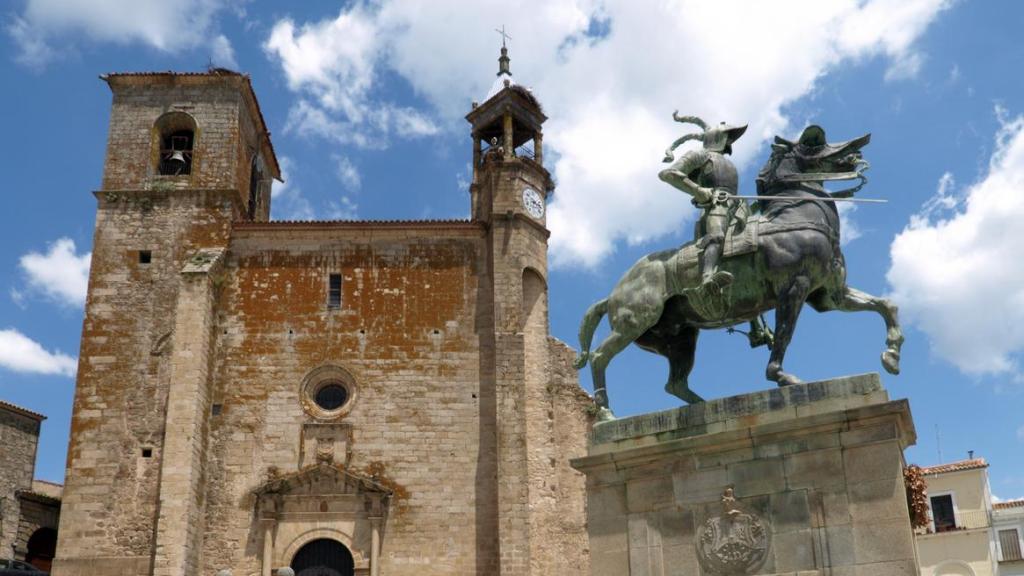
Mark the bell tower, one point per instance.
(509, 193)
(509, 177)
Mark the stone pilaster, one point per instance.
(180, 517)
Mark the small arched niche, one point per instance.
(534, 313)
(175, 134)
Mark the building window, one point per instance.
(334, 291)
(176, 135)
(145, 256)
(1009, 544)
(328, 392)
(943, 513)
(331, 396)
(255, 179)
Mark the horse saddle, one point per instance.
(736, 244)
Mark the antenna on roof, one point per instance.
(938, 442)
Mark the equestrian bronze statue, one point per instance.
(777, 255)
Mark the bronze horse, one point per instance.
(657, 303)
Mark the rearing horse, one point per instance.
(657, 303)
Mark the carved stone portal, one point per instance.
(735, 543)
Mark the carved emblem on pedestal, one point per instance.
(734, 543)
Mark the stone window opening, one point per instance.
(147, 452)
(255, 183)
(328, 392)
(334, 291)
(331, 396)
(175, 143)
(176, 153)
(145, 256)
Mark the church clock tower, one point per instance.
(509, 194)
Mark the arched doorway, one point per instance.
(323, 557)
(42, 545)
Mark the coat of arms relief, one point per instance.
(734, 543)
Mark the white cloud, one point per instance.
(334, 64)
(954, 268)
(343, 209)
(22, 354)
(905, 67)
(61, 273)
(609, 96)
(287, 200)
(223, 54)
(848, 227)
(166, 26)
(347, 173)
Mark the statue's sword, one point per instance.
(812, 198)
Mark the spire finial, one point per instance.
(504, 59)
(504, 35)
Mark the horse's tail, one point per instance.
(590, 321)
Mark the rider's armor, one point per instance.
(712, 171)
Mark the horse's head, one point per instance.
(811, 155)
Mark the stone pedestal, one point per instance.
(798, 481)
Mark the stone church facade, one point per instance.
(383, 398)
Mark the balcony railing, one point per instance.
(965, 520)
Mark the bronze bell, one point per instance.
(176, 161)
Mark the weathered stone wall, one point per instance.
(111, 493)
(117, 430)
(406, 331)
(189, 391)
(19, 436)
(36, 512)
(816, 476)
(133, 142)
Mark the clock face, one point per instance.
(533, 202)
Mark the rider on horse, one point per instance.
(710, 177)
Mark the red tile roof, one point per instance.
(1009, 504)
(23, 411)
(972, 464)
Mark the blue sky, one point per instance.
(365, 101)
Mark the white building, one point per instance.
(1008, 525)
(959, 540)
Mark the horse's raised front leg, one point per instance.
(790, 302)
(855, 301)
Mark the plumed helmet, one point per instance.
(715, 138)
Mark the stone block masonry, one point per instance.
(804, 480)
(200, 440)
(19, 437)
